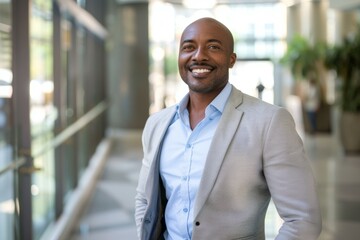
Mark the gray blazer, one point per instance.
(255, 154)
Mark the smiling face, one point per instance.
(205, 56)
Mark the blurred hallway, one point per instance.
(109, 214)
(72, 71)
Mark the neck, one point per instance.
(197, 105)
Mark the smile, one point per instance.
(200, 70)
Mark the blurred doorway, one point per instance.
(254, 77)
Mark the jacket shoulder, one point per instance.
(157, 121)
(160, 115)
(247, 103)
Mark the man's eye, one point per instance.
(214, 47)
(187, 48)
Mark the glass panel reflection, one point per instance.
(42, 114)
(7, 206)
(7, 197)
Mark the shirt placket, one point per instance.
(186, 176)
(185, 180)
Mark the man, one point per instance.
(212, 162)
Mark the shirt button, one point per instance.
(185, 209)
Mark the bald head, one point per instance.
(206, 53)
(215, 25)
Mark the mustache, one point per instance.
(197, 64)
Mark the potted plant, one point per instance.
(306, 62)
(345, 60)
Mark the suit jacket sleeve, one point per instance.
(149, 200)
(141, 202)
(290, 180)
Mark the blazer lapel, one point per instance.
(159, 131)
(161, 127)
(154, 189)
(224, 134)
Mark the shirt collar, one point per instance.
(218, 103)
(221, 99)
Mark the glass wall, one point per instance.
(260, 30)
(66, 106)
(77, 88)
(42, 114)
(7, 197)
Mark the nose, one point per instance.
(200, 55)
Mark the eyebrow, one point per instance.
(209, 41)
(215, 40)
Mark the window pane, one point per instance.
(5, 82)
(7, 198)
(7, 206)
(42, 114)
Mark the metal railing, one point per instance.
(61, 137)
(13, 165)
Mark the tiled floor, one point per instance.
(109, 214)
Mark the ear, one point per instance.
(232, 60)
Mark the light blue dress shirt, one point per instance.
(182, 161)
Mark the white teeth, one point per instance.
(200, 70)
